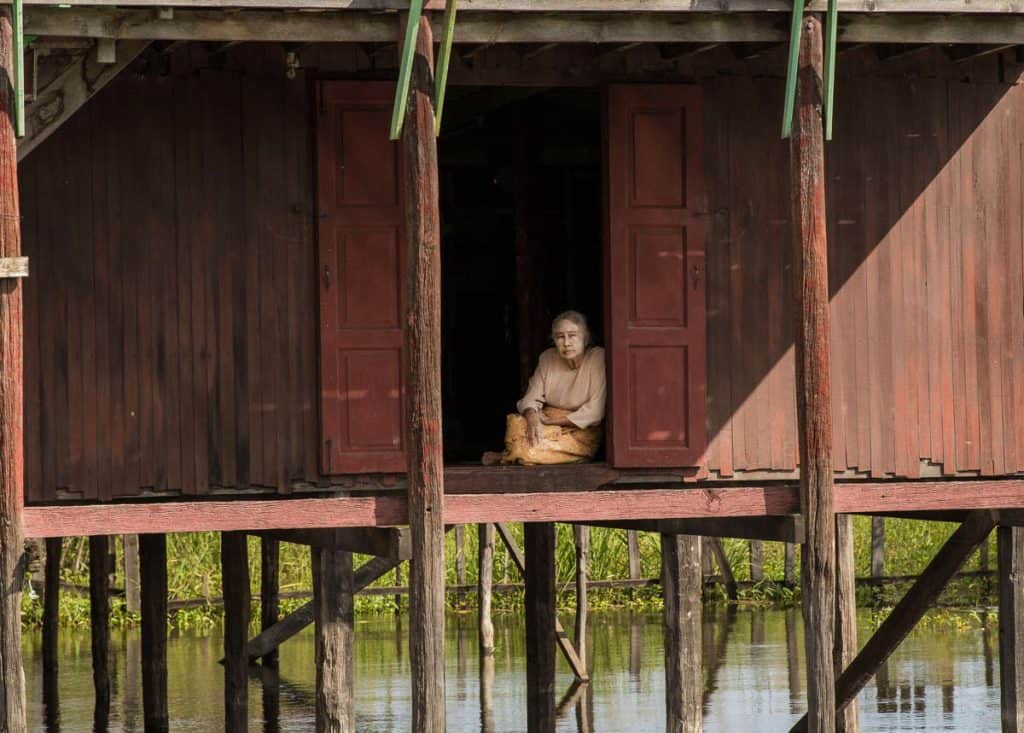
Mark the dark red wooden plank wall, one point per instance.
(171, 339)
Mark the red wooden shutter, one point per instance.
(655, 271)
(360, 267)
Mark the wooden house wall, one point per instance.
(171, 313)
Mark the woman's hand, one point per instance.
(562, 422)
(533, 428)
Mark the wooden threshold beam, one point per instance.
(389, 542)
(786, 528)
(565, 506)
(509, 27)
(998, 7)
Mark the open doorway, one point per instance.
(521, 219)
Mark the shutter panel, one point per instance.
(361, 267)
(656, 276)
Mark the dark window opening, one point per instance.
(521, 217)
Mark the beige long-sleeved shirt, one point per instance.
(581, 390)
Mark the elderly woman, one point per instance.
(560, 415)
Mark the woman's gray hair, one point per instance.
(576, 318)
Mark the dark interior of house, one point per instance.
(521, 220)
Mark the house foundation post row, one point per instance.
(813, 382)
(12, 463)
(423, 394)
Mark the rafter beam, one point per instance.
(388, 542)
(71, 89)
(785, 528)
(586, 6)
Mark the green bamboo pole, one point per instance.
(445, 55)
(405, 70)
(791, 67)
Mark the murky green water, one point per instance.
(940, 679)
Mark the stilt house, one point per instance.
(249, 309)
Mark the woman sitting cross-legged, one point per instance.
(560, 415)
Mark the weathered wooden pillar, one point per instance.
(270, 605)
(423, 395)
(681, 585)
(334, 588)
(99, 619)
(12, 459)
(789, 565)
(539, 539)
(633, 551)
(756, 561)
(813, 383)
(1011, 627)
(484, 583)
(460, 554)
(847, 720)
(51, 605)
(877, 547)
(234, 560)
(581, 535)
(153, 558)
(132, 583)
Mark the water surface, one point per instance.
(941, 678)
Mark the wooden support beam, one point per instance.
(633, 553)
(99, 624)
(562, 639)
(636, 502)
(51, 604)
(485, 582)
(847, 720)
(786, 528)
(270, 596)
(902, 619)
(460, 554)
(756, 548)
(1011, 628)
(877, 547)
(106, 51)
(12, 459)
(969, 52)
(132, 580)
(581, 540)
(13, 267)
(333, 595)
(56, 102)
(390, 542)
(541, 620)
(813, 385)
(234, 560)
(423, 394)
(153, 558)
(682, 587)
(271, 638)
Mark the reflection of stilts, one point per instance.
(487, 693)
(571, 698)
(792, 661)
(717, 657)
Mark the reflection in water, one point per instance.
(939, 679)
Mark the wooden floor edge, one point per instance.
(563, 506)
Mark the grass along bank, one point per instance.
(194, 573)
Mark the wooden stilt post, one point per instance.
(484, 584)
(877, 547)
(756, 561)
(847, 720)
(12, 460)
(334, 587)
(460, 554)
(1011, 627)
(99, 619)
(132, 584)
(731, 589)
(789, 565)
(682, 586)
(813, 384)
(540, 627)
(270, 605)
(581, 534)
(423, 395)
(51, 604)
(633, 550)
(153, 558)
(234, 559)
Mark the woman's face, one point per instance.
(568, 339)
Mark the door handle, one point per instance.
(327, 277)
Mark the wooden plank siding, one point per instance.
(171, 315)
